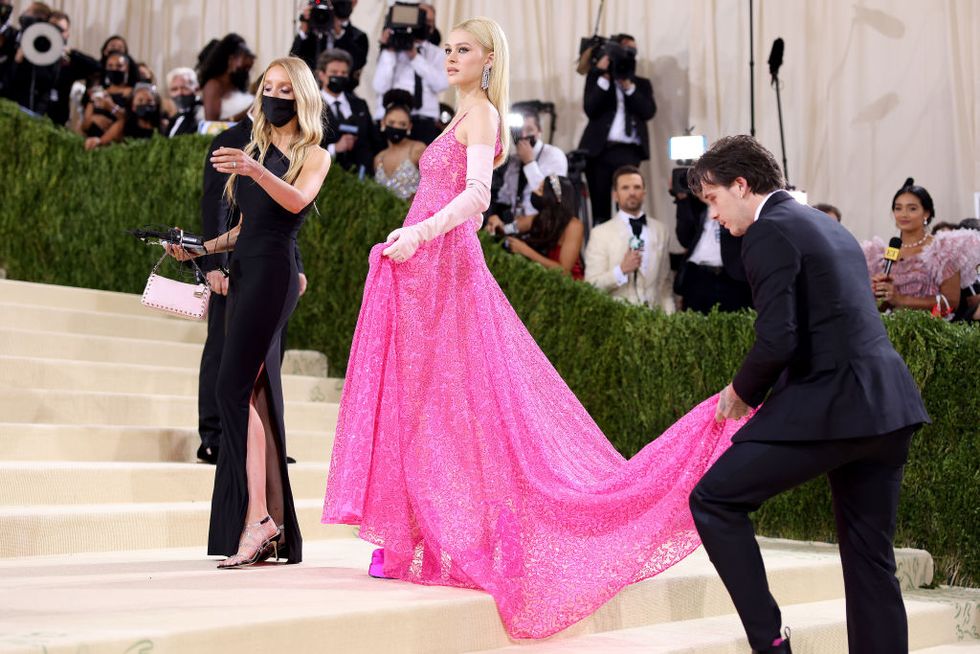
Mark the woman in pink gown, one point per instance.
(459, 450)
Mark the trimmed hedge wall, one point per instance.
(63, 212)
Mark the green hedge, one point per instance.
(63, 212)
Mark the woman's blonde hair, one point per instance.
(309, 109)
(492, 39)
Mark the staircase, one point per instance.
(104, 510)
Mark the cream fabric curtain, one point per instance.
(874, 91)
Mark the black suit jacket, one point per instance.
(690, 226)
(600, 107)
(217, 216)
(354, 42)
(368, 136)
(820, 343)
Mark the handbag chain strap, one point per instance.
(200, 273)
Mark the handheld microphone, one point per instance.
(190, 242)
(776, 58)
(892, 253)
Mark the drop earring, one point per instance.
(485, 81)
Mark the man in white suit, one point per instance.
(627, 255)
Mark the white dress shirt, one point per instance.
(707, 252)
(398, 71)
(345, 112)
(548, 160)
(617, 131)
(758, 210)
(621, 278)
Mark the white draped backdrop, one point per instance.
(874, 91)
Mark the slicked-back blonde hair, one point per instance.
(492, 39)
(309, 109)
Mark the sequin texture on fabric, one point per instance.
(461, 451)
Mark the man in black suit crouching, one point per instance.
(842, 402)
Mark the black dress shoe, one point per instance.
(782, 648)
(208, 453)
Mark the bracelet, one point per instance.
(264, 169)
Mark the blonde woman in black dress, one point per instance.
(273, 183)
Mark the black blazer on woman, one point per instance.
(820, 343)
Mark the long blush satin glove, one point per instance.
(473, 201)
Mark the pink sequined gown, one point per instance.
(461, 451)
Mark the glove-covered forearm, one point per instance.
(471, 203)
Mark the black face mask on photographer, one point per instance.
(115, 77)
(148, 112)
(395, 134)
(337, 84)
(239, 78)
(278, 111)
(185, 103)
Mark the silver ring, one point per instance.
(234, 164)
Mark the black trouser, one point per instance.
(599, 171)
(424, 129)
(208, 421)
(703, 287)
(865, 478)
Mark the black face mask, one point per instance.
(537, 201)
(115, 77)
(342, 9)
(145, 80)
(185, 103)
(149, 112)
(337, 84)
(395, 134)
(278, 111)
(239, 78)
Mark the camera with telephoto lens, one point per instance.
(407, 22)
(622, 60)
(321, 16)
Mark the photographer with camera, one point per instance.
(408, 61)
(72, 66)
(26, 82)
(618, 104)
(527, 167)
(105, 110)
(187, 110)
(627, 256)
(325, 25)
(711, 273)
(350, 137)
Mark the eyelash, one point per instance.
(449, 51)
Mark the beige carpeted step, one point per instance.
(174, 601)
(817, 628)
(151, 326)
(47, 442)
(69, 529)
(70, 297)
(80, 347)
(83, 407)
(963, 647)
(102, 376)
(966, 604)
(29, 483)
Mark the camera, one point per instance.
(41, 42)
(684, 150)
(622, 60)
(407, 22)
(321, 16)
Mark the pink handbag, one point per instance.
(178, 298)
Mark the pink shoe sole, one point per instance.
(377, 567)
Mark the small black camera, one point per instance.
(407, 22)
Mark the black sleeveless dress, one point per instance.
(263, 290)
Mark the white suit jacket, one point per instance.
(608, 244)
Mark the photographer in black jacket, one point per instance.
(618, 104)
(325, 26)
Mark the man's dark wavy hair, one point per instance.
(737, 156)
